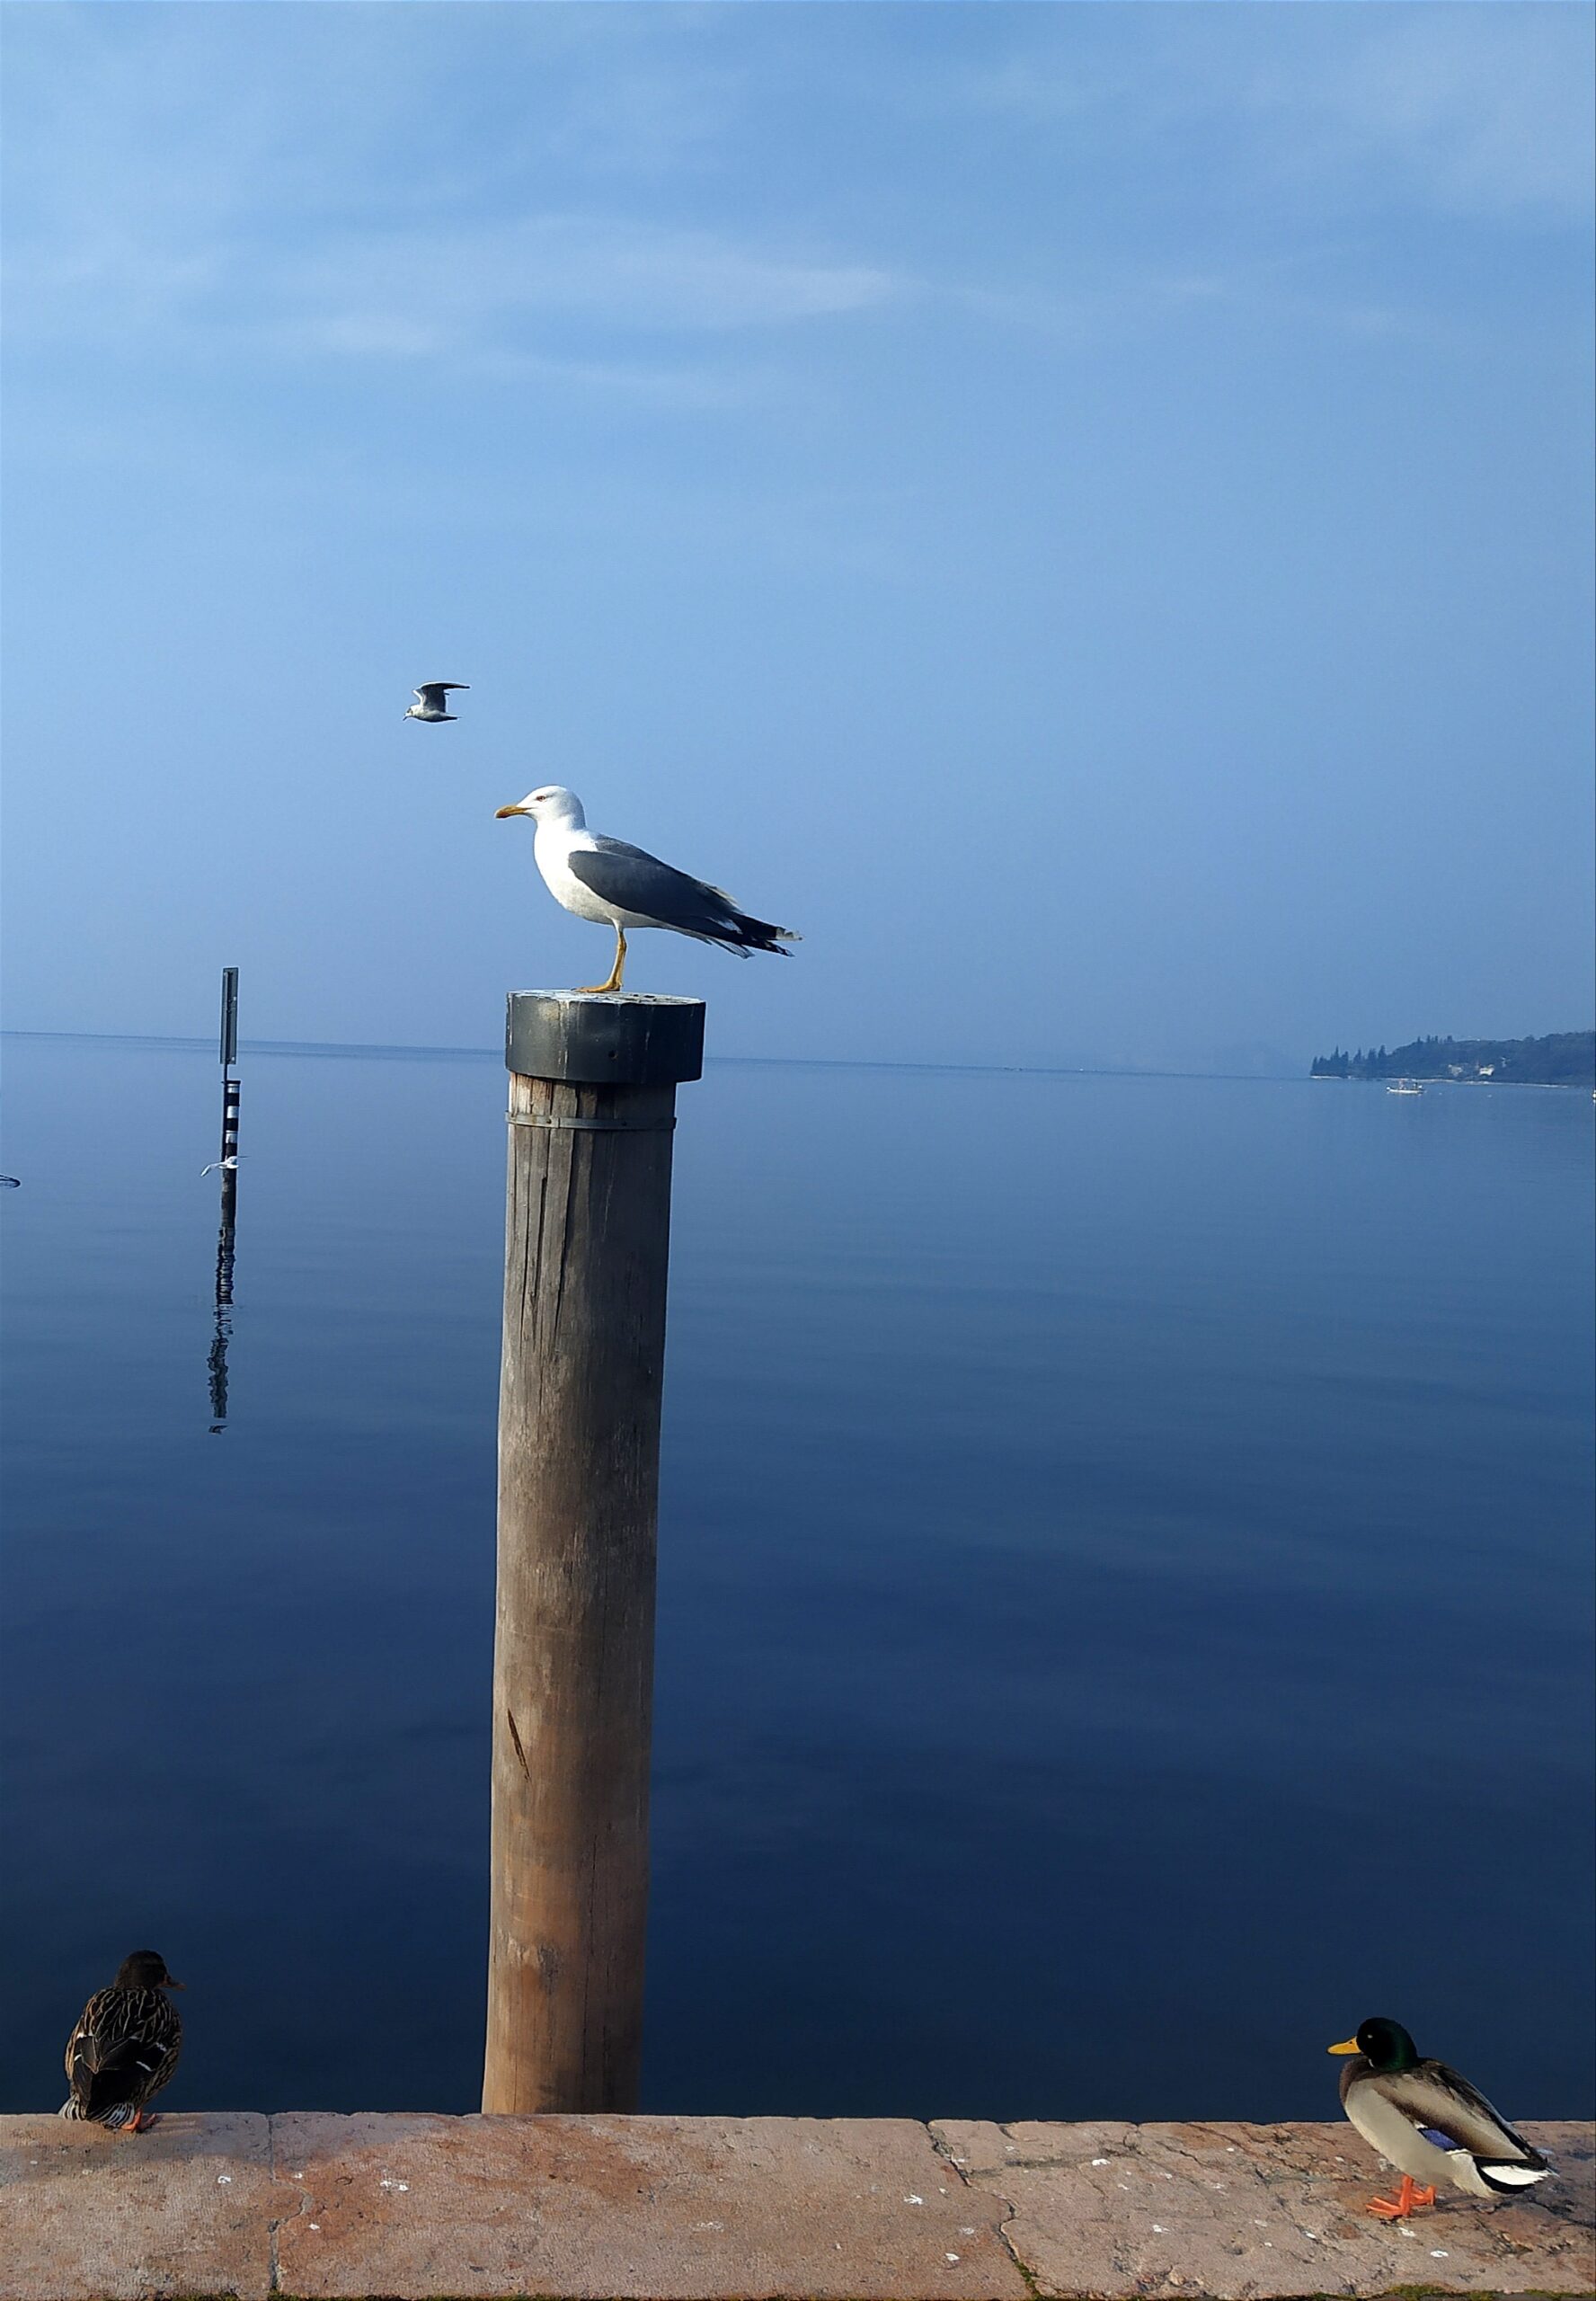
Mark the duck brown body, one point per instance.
(124, 2045)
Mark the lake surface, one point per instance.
(1125, 1584)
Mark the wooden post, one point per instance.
(593, 1098)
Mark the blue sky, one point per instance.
(1083, 511)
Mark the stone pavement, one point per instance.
(643, 2208)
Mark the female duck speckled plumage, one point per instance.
(1429, 2123)
(125, 2046)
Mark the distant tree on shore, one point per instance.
(1562, 1059)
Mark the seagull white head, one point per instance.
(551, 802)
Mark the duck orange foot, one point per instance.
(1407, 2197)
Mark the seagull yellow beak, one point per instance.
(1347, 2045)
(500, 812)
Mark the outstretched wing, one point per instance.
(431, 695)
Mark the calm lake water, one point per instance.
(1125, 1584)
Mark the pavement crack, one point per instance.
(1005, 2223)
(272, 2285)
(306, 2204)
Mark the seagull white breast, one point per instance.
(552, 847)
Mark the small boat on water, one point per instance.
(1404, 1087)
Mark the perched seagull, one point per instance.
(1430, 2123)
(429, 699)
(125, 2045)
(621, 887)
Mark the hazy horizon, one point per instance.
(1260, 1068)
(1083, 511)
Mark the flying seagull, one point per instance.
(605, 880)
(429, 699)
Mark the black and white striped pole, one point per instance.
(229, 1057)
(217, 1362)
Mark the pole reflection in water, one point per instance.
(223, 1334)
(228, 1163)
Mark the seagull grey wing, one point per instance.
(633, 880)
(1449, 2109)
(430, 696)
(640, 854)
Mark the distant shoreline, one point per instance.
(1559, 1059)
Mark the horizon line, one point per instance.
(187, 1042)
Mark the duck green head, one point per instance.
(1384, 2045)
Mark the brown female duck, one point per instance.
(125, 2045)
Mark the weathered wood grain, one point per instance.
(586, 1246)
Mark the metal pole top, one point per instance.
(229, 1017)
(613, 1039)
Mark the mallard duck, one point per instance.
(125, 2046)
(1427, 2121)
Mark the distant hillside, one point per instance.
(1565, 1059)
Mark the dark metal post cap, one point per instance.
(612, 1039)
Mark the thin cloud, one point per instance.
(160, 192)
(1476, 111)
(1144, 300)
(612, 274)
(461, 293)
(1479, 110)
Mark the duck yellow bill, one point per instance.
(500, 812)
(1347, 2045)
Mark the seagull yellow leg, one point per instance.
(617, 972)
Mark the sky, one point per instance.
(1083, 510)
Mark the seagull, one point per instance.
(621, 887)
(429, 699)
(229, 1166)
